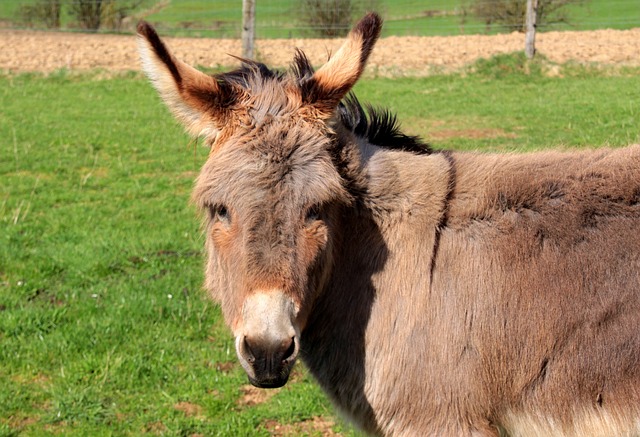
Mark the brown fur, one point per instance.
(430, 293)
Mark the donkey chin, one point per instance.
(267, 342)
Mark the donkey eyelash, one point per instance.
(219, 213)
(313, 213)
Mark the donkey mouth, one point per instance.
(276, 382)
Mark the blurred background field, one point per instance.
(307, 18)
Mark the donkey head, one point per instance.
(270, 187)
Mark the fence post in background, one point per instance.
(530, 37)
(248, 27)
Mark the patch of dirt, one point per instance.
(156, 428)
(189, 409)
(37, 379)
(50, 51)
(57, 428)
(225, 367)
(18, 423)
(253, 395)
(316, 426)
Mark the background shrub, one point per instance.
(511, 13)
(45, 12)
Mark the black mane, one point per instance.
(248, 69)
(379, 126)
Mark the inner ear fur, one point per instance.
(196, 99)
(334, 80)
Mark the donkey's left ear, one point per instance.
(334, 80)
(196, 99)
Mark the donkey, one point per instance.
(430, 293)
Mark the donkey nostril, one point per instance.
(288, 353)
(250, 355)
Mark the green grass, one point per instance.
(220, 19)
(104, 329)
(619, 14)
(103, 325)
(281, 18)
(499, 106)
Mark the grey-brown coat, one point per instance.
(429, 292)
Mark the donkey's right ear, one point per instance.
(196, 99)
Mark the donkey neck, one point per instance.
(392, 226)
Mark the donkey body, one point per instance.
(430, 293)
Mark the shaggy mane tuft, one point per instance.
(249, 69)
(379, 126)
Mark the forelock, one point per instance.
(278, 152)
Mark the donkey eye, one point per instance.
(220, 213)
(313, 214)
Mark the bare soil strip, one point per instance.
(24, 51)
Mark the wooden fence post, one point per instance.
(530, 37)
(248, 27)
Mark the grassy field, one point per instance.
(281, 18)
(104, 329)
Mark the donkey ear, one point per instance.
(196, 99)
(334, 79)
